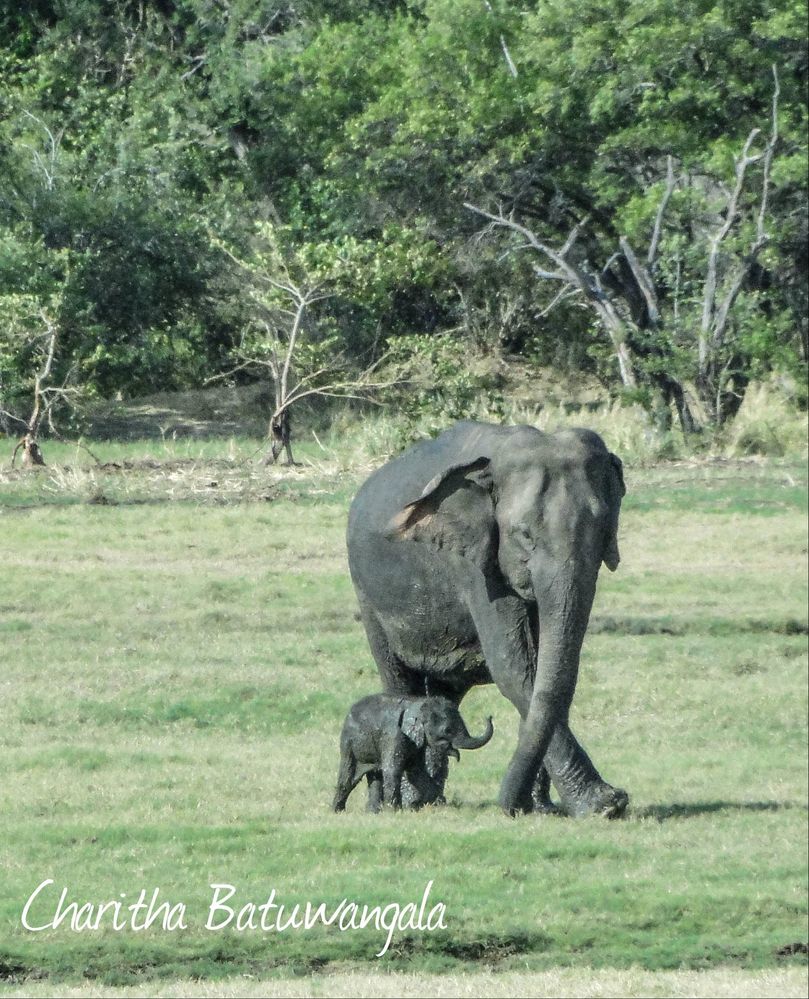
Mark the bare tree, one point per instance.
(488, 320)
(506, 54)
(46, 395)
(626, 291)
(724, 280)
(279, 343)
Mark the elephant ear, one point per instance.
(454, 512)
(412, 724)
(618, 467)
(612, 556)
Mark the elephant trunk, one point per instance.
(564, 598)
(467, 741)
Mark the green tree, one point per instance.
(362, 127)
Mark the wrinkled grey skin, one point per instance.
(475, 558)
(386, 736)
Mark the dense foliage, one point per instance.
(136, 139)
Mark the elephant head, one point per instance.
(535, 515)
(436, 722)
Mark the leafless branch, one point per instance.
(560, 296)
(512, 249)
(709, 291)
(550, 275)
(715, 317)
(509, 61)
(733, 287)
(643, 281)
(48, 169)
(567, 246)
(768, 155)
(312, 377)
(575, 276)
(345, 390)
(284, 326)
(197, 63)
(671, 183)
(293, 339)
(232, 371)
(10, 416)
(42, 376)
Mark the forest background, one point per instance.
(611, 188)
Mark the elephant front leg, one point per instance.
(509, 648)
(425, 785)
(427, 780)
(392, 773)
(537, 797)
(582, 791)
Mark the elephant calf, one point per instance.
(386, 736)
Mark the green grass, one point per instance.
(177, 662)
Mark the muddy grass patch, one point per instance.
(607, 625)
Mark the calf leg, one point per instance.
(347, 780)
(374, 779)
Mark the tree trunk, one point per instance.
(281, 434)
(31, 454)
(674, 392)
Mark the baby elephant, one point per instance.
(387, 735)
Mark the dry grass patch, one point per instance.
(564, 983)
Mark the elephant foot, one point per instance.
(541, 803)
(607, 801)
(579, 797)
(414, 798)
(513, 806)
(617, 806)
(548, 808)
(535, 799)
(432, 803)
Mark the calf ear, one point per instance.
(412, 724)
(454, 512)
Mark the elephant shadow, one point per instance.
(664, 812)
(691, 809)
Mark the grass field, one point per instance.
(181, 644)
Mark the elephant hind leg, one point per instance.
(374, 778)
(581, 788)
(396, 676)
(347, 780)
(541, 794)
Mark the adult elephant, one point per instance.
(475, 558)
